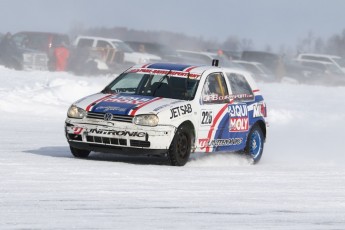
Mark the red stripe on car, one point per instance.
(214, 123)
(133, 112)
(97, 101)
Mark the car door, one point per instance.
(240, 109)
(212, 121)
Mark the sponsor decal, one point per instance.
(163, 72)
(181, 110)
(128, 100)
(215, 97)
(225, 142)
(205, 142)
(259, 110)
(77, 130)
(110, 108)
(238, 115)
(117, 133)
(206, 117)
(242, 97)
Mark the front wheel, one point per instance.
(255, 144)
(180, 147)
(79, 153)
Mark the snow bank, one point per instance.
(299, 183)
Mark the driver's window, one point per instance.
(215, 90)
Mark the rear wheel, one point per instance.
(79, 153)
(180, 147)
(255, 144)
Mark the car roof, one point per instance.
(318, 55)
(99, 38)
(314, 61)
(247, 62)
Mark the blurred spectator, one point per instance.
(61, 55)
(220, 53)
(142, 48)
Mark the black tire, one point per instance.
(180, 147)
(255, 144)
(79, 153)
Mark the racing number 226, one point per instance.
(206, 117)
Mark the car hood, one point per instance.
(126, 104)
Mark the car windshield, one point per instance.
(123, 47)
(340, 61)
(332, 68)
(157, 85)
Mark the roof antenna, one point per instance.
(215, 62)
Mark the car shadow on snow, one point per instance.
(64, 152)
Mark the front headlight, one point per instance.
(75, 112)
(146, 119)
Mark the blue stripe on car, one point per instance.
(169, 66)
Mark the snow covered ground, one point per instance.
(299, 183)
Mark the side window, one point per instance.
(20, 40)
(215, 90)
(241, 90)
(103, 44)
(85, 43)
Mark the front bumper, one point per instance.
(118, 137)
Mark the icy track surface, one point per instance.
(299, 183)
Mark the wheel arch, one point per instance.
(191, 127)
(262, 126)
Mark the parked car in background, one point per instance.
(171, 110)
(204, 58)
(272, 61)
(331, 74)
(339, 62)
(41, 42)
(165, 52)
(232, 55)
(13, 55)
(112, 47)
(259, 71)
(302, 74)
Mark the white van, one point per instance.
(130, 56)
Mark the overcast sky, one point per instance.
(266, 22)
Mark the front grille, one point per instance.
(106, 140)
(119, 118)
(137, 143)
(75, 137)
(35, 61)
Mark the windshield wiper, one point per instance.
(160, 82)
(106, 90)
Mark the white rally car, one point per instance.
(171, 110)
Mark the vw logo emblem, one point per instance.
(108, 117)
